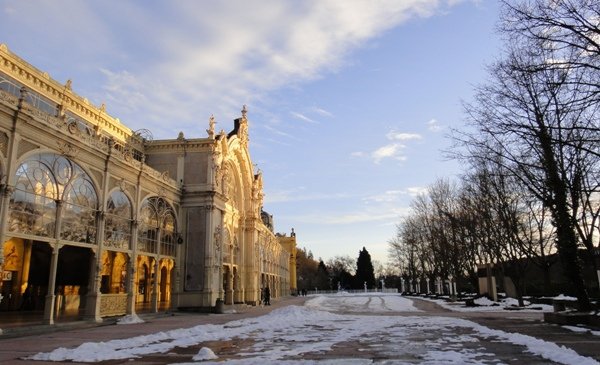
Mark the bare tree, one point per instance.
(517, 231)
(530, 118)
(569, 28)
(341, 271)
(570, 31)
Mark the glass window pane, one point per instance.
(117, 223)
(78, 224)
(38, 182)
(156, 215)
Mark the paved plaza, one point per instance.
(332, 329)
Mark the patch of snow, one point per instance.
(486, 305)
(513, 302)
(130, 319)
(484, 301)
(288, 334)
(565, 297)
(362, 302)
(582, 330)
(576, 329)
(205, 354)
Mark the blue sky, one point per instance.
(349, 101)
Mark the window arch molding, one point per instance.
(117, 220)
(45, 182)
(157, 226)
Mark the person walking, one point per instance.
(267, 296)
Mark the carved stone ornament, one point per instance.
(216, 157)
(67, 149)
(127, 154)
(211, 127)
(73, 129)
(218, 236)
(243, 134)
(61, 109)
(97, 131)
(226, 179)
(217, 175)
(122, 185)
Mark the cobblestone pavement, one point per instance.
(384, 347)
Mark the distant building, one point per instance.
(289, 244)
(98, 220)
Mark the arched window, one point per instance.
(33, 202)
(168, 234)
(236, 252)
(117, 226)
(156, 215)
(227, 247)
(41, 181)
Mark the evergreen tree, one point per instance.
(323, 276)
(364, 270)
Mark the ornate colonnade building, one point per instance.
(98, 220)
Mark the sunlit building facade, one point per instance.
(99, 220)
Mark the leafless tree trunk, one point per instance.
(531, 118)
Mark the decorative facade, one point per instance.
(98, 220)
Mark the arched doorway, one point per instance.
(143, 284)
(227, 284)
(164, 281)
(72, 279)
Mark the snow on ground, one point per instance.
(486, 305)
(205, 354)
(362, 303)
(130, 319)
(312, 333)
(582, 330)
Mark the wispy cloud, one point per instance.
(400, 136)
(322, 112)
(384, 216)
(298, 194)
(303, 117)
(434, 126)
(394, 150)
(277, 131)
(416, 190)
(393, 196)
(350, 218)
(175, 62)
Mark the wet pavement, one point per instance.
(27, 340)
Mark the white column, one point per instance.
(49, 306)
